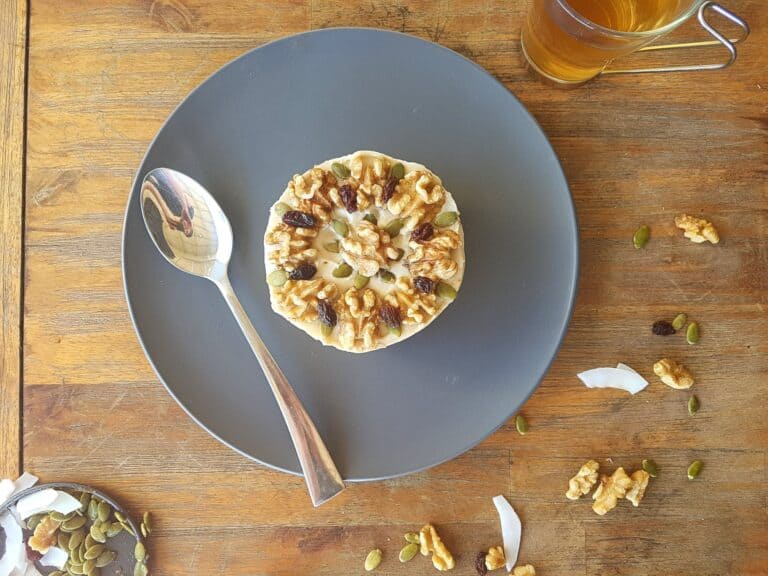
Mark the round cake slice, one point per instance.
(363, 251)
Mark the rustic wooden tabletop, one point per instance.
(84, 85)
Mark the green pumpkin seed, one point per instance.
(93, 509)
(75, 539)
(76, 555)
(326, 330)
(340, 228)
(332, 246)
(412, 538)
(104, 511)
(342, 270)
(73, 523)
(340, 171)
(694, 469)
(119, 516)
(277, 278)
(650, 467)
(400, 253)
(693, 405)
(679, 321)
(445, 290)
(281, 208)
(395, 330)
(62, 539)
(397, 171)
(147, 520)
(58, 516)
(692, 334)
(371, 218)
(521, 424)
(139, 552)
(360, 281)
(88, 566)
(373, 560)
(144, 531)
(76, 568)
(140, 569)
(394, 227)
(446, 219)
(640, 238)
(93, 572)
(89, 541)
(113, 529)
(97, 534)
(408, 552)
(387, 276)
(127, 528)
(94, 551)
(106, 558)
(33, 521)
(85, 499)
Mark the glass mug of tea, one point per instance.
(573, 41)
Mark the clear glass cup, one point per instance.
(572, 41)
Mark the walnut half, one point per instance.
(636, 491)
(495, 558)
(697, 229)
(430, 541)
(526, 570)
(583, 482)
(673, 374)
(609, 491)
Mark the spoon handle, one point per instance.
(322, 477)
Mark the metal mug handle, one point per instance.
(729, 45)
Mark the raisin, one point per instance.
(424, 284)
(349, 197)
(480, 566)
(299, 219)
(303, 271)
(422, 232)
(326, 313)
(663, 328)
(389, 190)
(390, 315)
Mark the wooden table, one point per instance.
(85, 86)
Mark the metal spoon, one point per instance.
(191, 231)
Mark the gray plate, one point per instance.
(280, 109)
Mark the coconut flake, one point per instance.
(48, 500)
(15, 557)
(511, 530)
(622, 378)
(55, 557)
(26, 480)
(7, 488)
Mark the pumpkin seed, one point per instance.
(340, 171)
(94, 551)
(106, 558)
(147, 520)
(400, 253)
(113, 529)
(412, 538)
(693, 405)
(281, 208)
(394, 227)
(395, 330)
(370, 217)
(97, 534)
(93, 509)
(88, 566)
(326, 330)
(446, 219)
(33, 521)
(445, 290)
(104, 510)
(387, 276)
(144, 531)
(640, 238)
(73, 523)
(93, 572)
(62, 539)
(76, 568)
(679, 321)
(340, 228)
(694, 469)
(521, 424)
(85, 499)
(332, 246)
(692, 334)
(343, 270)
(650, 467)
(58, 516)
(119, 516)
(397, 171)
(127, 528)
(140, 569)
(360, 281)
(75, 539)
(373, 560)
(89, 541)
(277, 278)
(139, 552)
(408, 552)
(76, 555)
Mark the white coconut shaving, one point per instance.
(7, 488)
(26, 480)
(55, 557)
(511, 530)
(622, 377)
(14, 558)
(48, 500)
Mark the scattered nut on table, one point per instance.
(526, 570)
(673, 374)
(430, 541)
(583, 482)
(610, 490)
(495, 559)
(636, 490)
(697, 229)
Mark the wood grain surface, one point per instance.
(13, 51)
(102, 77)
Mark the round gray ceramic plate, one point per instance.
(277, 111)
